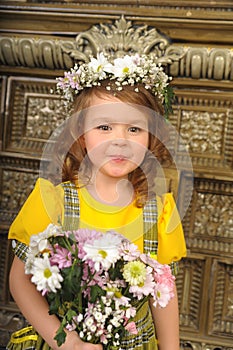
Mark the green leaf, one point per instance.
(54, 302)
(70, 314)
(60, 336)
(96, 293)
(115, 272)
(169, 98)
(72, 281)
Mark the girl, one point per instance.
(107, 157)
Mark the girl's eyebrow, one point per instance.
(99, 120)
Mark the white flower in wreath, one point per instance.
(123, 67)
(99, 65)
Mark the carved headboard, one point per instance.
(46, 39)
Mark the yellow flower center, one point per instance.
(103, 253)
(134, 272)
(47, 273)
(126, 70)
(118, 294)
(99, 68)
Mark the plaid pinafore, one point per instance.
(145, 339)
(29, 339)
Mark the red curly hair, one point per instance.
(74, 161)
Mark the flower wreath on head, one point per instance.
(127, 70)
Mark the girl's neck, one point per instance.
(114, 191)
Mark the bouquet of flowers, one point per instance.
(95, 282)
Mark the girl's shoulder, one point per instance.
(171, 238)
(43, 206)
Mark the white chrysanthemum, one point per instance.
(45, 276)
(123, 66)
(134, 272)
(39, 242)
(99, 65)
(103, 251)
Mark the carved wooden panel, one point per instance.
(190, 294)
(15, 187)
(208, 224)
(221, 301)
(194, 41)
(33, 111)
(205, 123)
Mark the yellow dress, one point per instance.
(45, 205)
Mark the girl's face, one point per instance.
(115, 136)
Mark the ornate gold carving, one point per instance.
(122, 37)
(203, 62)
(32, 52)
(214, 213)
(198, 63)
(206, 126)
(210, 229)
(190, 293)
(15, 188)
(117, 38)
(32, 114)
(221, 303)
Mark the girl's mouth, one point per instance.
(118, 158)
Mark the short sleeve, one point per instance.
(171, 241)
(43, 206)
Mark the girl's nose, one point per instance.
(119, 141)
(119, 135)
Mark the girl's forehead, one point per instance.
(116, 112)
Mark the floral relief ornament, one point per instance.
(127, 70)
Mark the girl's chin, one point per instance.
(115, 172)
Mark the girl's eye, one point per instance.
(104, 127)
(134, 129)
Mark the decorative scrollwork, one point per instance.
(120, 38)
(117, 38)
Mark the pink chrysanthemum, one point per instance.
(145, 288)
(62, 257)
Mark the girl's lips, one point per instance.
(118, 158)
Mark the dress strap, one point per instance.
(150, 219)
(71, 206)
